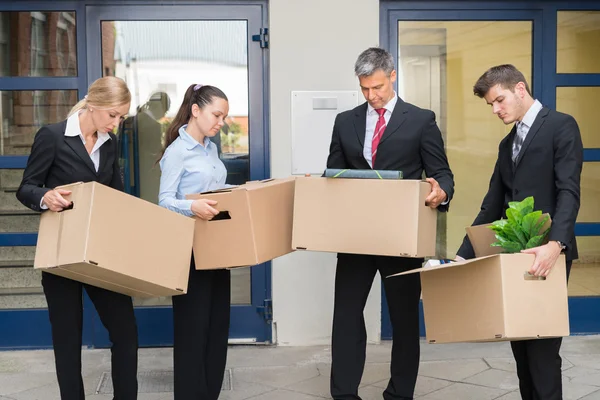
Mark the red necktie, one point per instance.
(379, 129)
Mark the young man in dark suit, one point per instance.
(385, 133)
(542, 156)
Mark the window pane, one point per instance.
(581, 103)
(585, 273)
(23, 112)
(589, 210)
(439, 62)
(38, 43)
(578, 35)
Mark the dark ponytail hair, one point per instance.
(201, 95)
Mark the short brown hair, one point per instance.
(505, 75)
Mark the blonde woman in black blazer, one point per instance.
(83, 149)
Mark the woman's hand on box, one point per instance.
(204, 209)
(55, 201)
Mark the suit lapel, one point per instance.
(104, 151)
(397, 119)
(360, 123)
(537, 124)
(508, 148)
(75, 143)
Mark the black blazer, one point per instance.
(548, 168)
(57, 160)
(411, 143)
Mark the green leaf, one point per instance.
(508, 245)
(535, 241)
(524, 207)
(529, 222)
(514, 216)
(538, 226)
(518, 234)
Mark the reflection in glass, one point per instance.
(581, 103)
(23, 112)
(38, 43)
(577, 32)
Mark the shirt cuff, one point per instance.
(445, 202)
(42, 205)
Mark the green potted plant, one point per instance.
(523, 228)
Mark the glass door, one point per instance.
(159, 51)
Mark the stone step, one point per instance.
(21, 287)
(16, 254)
(20, 277)
(10, 178)
(22, 301)
(17, 150)
(16, 263)
(15, 222)
(9, 202)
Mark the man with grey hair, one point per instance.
(385, 133)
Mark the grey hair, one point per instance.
(372, 60)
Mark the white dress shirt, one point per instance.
(529, 118)
(372, 118)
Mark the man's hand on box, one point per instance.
(437, 195)
(545, 258)
(55, 201)
(203, 209)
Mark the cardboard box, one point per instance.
(258, 227)
(364, 216)
(493, 298)
(117, 242)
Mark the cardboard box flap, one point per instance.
(67, 186)
(482, 237)
(442, 266)
(257, 185)
(195, 196)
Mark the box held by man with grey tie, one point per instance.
(493, 297)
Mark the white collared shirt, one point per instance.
(372, 118)
(529, 118)
(74, 129)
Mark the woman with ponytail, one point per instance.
(82, 148)
(190, 164)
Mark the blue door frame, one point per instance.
(584, 312)
(30, 328)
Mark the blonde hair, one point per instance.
(105, 92)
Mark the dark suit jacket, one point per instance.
(57, 160)
(548, 168)
(411, 143)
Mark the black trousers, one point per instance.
(65, 307)
(353, 280)
(201, 323)
(539, 366)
